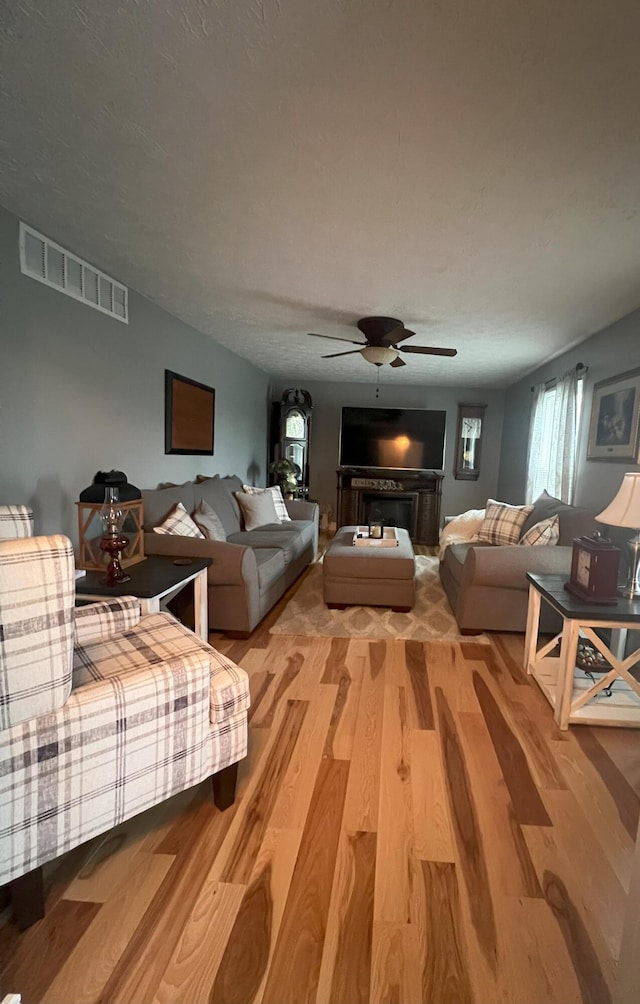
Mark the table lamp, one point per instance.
(624, 510)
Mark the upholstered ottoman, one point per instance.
(369, 575)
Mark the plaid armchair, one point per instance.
(15, 521)
(103, 713)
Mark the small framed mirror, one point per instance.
(469, 441)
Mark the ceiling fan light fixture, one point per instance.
(378, 354)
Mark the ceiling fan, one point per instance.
(382, 336)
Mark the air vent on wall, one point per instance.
(47, 262)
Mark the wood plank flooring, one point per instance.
(410, 826)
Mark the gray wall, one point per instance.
(608, 353)
(82, 392)
(328, 399)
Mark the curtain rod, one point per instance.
(580, 368)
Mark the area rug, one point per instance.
(430, 620)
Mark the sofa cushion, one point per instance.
(270, 562)
(503, 522)
(258, 510)
(291, 543)
(278, 501)
(574, 521)
(179, 524)
(546, 531)
(158, 502)
(305, 527)
(209, 522)
(218, 493)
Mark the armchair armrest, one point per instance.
(102, 620)
(507, 565)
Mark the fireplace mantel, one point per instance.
(416, 492)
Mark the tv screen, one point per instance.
(400, 438)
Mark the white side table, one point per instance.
(152, 580)
(576, 699)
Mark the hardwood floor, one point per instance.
(409, 826)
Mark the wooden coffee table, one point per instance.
(151, 581)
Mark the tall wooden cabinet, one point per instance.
(291, 432)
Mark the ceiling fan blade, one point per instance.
(426, 350)
(398, 362)
(336, 338)
(402, 334)
(397, 335)
(349, 352)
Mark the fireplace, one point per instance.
(397, 510)
(409, 499)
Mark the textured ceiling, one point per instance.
(264, 169)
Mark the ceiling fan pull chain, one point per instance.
(378, 385)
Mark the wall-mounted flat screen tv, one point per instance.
(399, 438)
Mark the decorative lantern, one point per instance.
(113, 541)
(376, 523)
(91, 531)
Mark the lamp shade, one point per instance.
(378, 354)
(624, 509)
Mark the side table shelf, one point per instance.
(614, 697)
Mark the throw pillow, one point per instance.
(281, 509)
(258, 509)
(573, 520)
(503, 522)
(547, 531)
(179, 524)
(209, 522)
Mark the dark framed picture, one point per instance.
(613, 431)
(189, 415)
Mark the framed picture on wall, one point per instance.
(613, 431)
(189, 415)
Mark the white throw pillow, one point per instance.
(503, 522)
(209, 522)
(179, 524)
(547, 531)
(258, 509)
(281, 510)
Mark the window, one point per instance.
(553, 436)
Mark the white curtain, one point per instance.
(551, 457)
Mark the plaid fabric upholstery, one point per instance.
(278, 501)
(179, 524)
(160, 638)
(37, 592)
(547, 531)
(97, 621)
(15, 521)
(135, 730)
(503, 523)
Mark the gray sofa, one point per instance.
(486, 584)
(251, 569)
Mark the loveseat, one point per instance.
(486, 584)
(250, 569)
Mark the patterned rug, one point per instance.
(430, 620)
